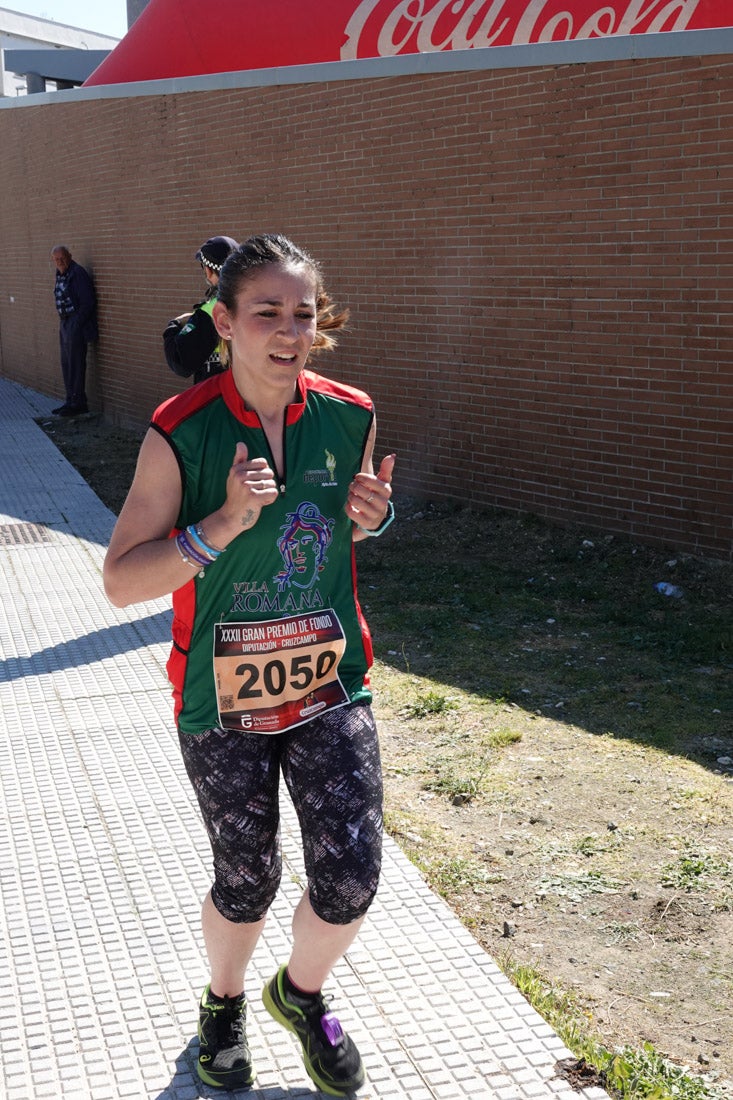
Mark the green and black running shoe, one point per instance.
(224, 1058)
(330, 1056)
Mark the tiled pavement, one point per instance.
(103, 860)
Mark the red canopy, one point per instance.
(175, 38)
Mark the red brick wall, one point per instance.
(537, 261)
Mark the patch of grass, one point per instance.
(556, 1005)
(628, 1073)
(592, 845)
(620, 932)
(503, 736)
(428, 704)
(514, 609)
(450, 876)
(644, 1074)
(693, 868)
(456, 784)
(576, 886)
(461, 774)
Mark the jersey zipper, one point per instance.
(281, 481)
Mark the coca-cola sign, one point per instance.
(172, 38)
(383, 28)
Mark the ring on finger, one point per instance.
(370, 498)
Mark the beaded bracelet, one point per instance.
(383, 525)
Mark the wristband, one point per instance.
(195, 532)
(185, 557)
(202, 535)
(187, 548)
(382, 526)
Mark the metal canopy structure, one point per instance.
(67, 68)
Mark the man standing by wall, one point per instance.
(76, 304)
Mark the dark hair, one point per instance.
(257, 253)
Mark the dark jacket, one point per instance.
(191, 347)
(80, 289)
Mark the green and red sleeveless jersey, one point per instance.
(299, 556)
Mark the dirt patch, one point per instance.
(600, 858)
(578, 1074)
(581, 840)
(104, 455)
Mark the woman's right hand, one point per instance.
(142, 561)
(251, 485)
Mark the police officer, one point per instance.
(190, 342)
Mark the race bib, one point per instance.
(275, 675)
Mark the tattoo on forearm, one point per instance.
(248, 518)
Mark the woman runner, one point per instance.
(250, 492)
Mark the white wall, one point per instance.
(24, 32)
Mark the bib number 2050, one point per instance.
(274, 675)
(278, 676)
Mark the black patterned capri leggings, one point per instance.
(332, 769)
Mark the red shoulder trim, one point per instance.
(178, 408)
(339, 390)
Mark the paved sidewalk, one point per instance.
(103, 860)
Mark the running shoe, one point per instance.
(330, 1056)
(224, 1059)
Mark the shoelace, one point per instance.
(228, 1018)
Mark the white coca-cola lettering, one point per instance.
(415, 15)
(661, 14)
(486, 33)
(638, 11)
(412, 24)
(425, 22)
(354, 27)
(459, 38)
(599, 25)
(386, 45)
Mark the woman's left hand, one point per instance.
(366, 503)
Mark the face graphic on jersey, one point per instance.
(306, 537)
